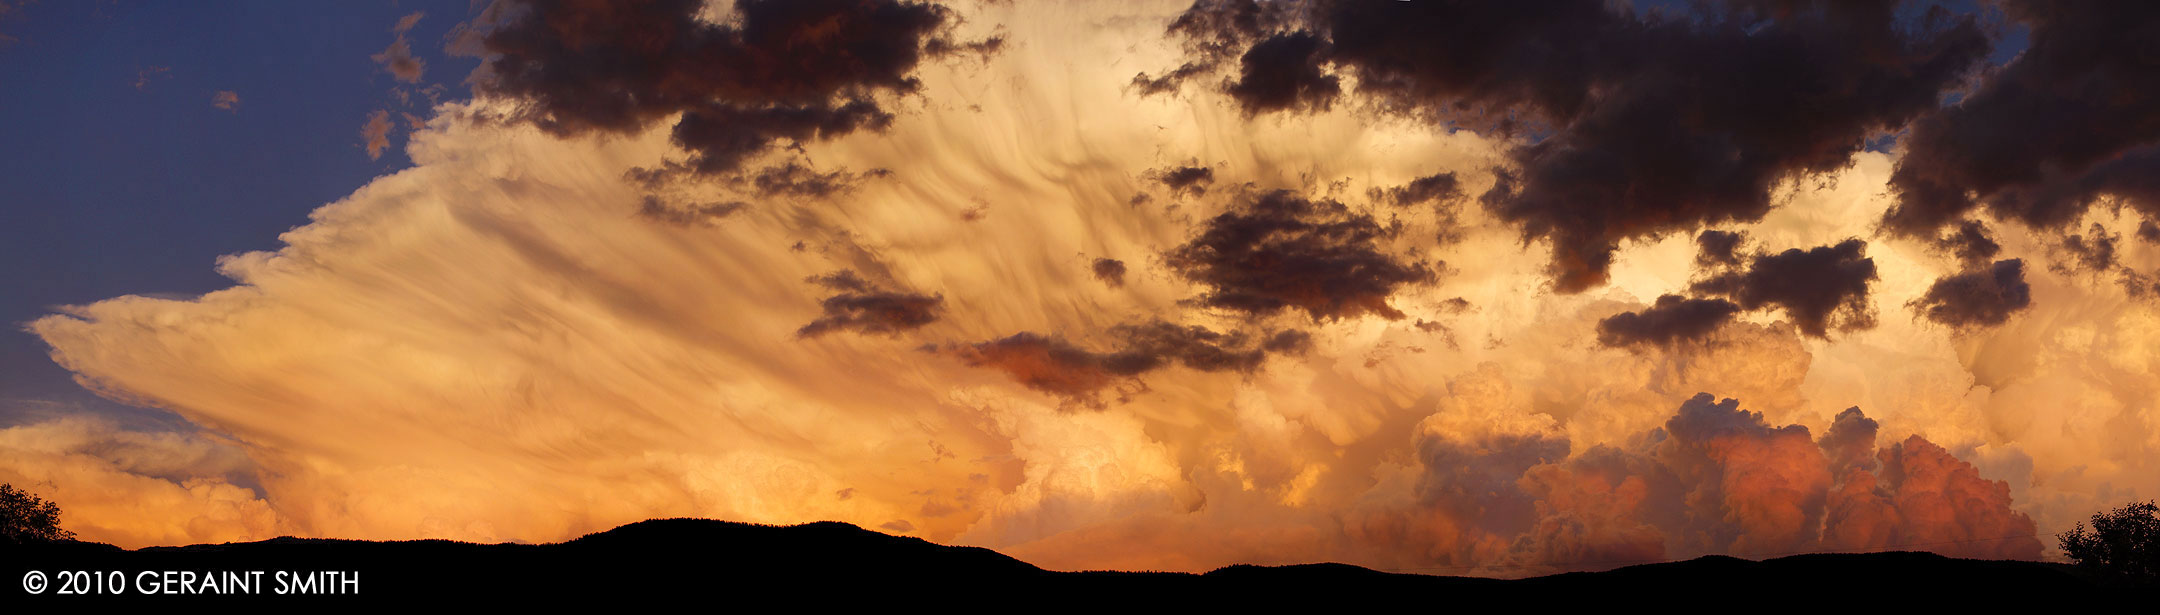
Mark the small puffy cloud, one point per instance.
(1442, 189)
(1672, 320)
(144, 76)
(1111, 271)
(1982, 297)
(862, 307)
(660, 209)
(1191, 180)
(1718, 248)
(1821, 288)
(1970, 242)
(227, 100)
(1058, 367)
(375, 134)
(398, 58)
(1276, 250)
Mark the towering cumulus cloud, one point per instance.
(1463, 287)
(1713, 479)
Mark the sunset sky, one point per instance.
(1481, 288)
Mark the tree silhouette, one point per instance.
(2123, 546)
(26, 519)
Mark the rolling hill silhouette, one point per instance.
(830, 563)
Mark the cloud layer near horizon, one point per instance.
(508, 341)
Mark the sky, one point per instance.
(1457, 288)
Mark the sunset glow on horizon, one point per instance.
(1446, 287)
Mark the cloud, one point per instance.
(376, 133)
(1924, 496)
(1111, 271)
(1280, 73)
(862, 307)
(1988, 151)
(2093, 250)
(499, 342)
(1056, 366)
(797, 180)
(1645, 123)
(1672, 320)
(399, 61)
(1712, 479)
(227, 100)
(398, 58)
(1821, 288)
(1969, 242)
(1849, 444)
(143, 77)
(137, 488)
(706, 213)
(1276, 250)
(1191, 180)
(1718, 248)
(771, 71)
(1983, 297)
(1440, 189)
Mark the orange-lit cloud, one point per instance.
(532, 334)
(398, 58)
(376, 133)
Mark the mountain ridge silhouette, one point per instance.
(838, 563)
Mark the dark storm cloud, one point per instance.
(1052, 365)
(2148, 231)
(1169, 82)
(1281, 73)
(1193, 180)
(1443, 191)
(1821, 288)
(1979, 298)
(1437, 189)
(1212, 37)
(720, 137)
(793, 70)
(1969, 242)
(2093, 251)
(1648, 125)
(862, 307)
(1277, 250)
(1718, 248)
(1111, 271)
(656, 208)
(2075, 117)
(1673, 319)
(795, 179)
